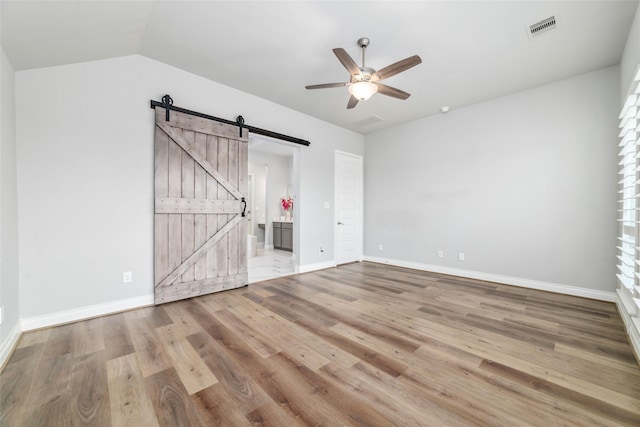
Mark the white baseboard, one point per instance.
(268, 247)
(507, 280)
(317, 266)
(7, 347)
(82, 313)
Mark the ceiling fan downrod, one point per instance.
(363, 42)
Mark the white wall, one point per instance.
(515, 183)
(630, 56)
(9, 292)
(85, 175)
(524, 185)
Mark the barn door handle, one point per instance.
(244, 206)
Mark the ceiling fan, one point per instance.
(364, 81)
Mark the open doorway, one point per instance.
(273, 230)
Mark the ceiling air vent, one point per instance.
(368, 121)
(542, 27)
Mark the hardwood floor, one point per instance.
(363, 344)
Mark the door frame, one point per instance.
(297, 235)
(250, 200)
(360, 228)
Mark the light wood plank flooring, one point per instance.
(363, 344)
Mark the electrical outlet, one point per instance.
(380, 247)
(461, 256)
(440, 254)
(127, 277)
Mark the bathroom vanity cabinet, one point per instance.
(283, 235)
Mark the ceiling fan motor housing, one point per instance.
(366, 75)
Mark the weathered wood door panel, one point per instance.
(199, 232)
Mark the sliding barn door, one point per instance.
(200, 234)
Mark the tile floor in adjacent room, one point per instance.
(268, 264)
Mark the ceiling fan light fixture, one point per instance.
(363, 90)
(364, 81)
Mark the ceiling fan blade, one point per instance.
(326, 85)
(347, 61)
(353, 101)
(397, 67)
(392, 91)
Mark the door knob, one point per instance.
(339, 223)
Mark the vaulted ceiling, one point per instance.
(471, 51)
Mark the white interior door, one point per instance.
(348, 203)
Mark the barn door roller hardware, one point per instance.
(167, 104)
(240, 122)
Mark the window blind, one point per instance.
(628, 266)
